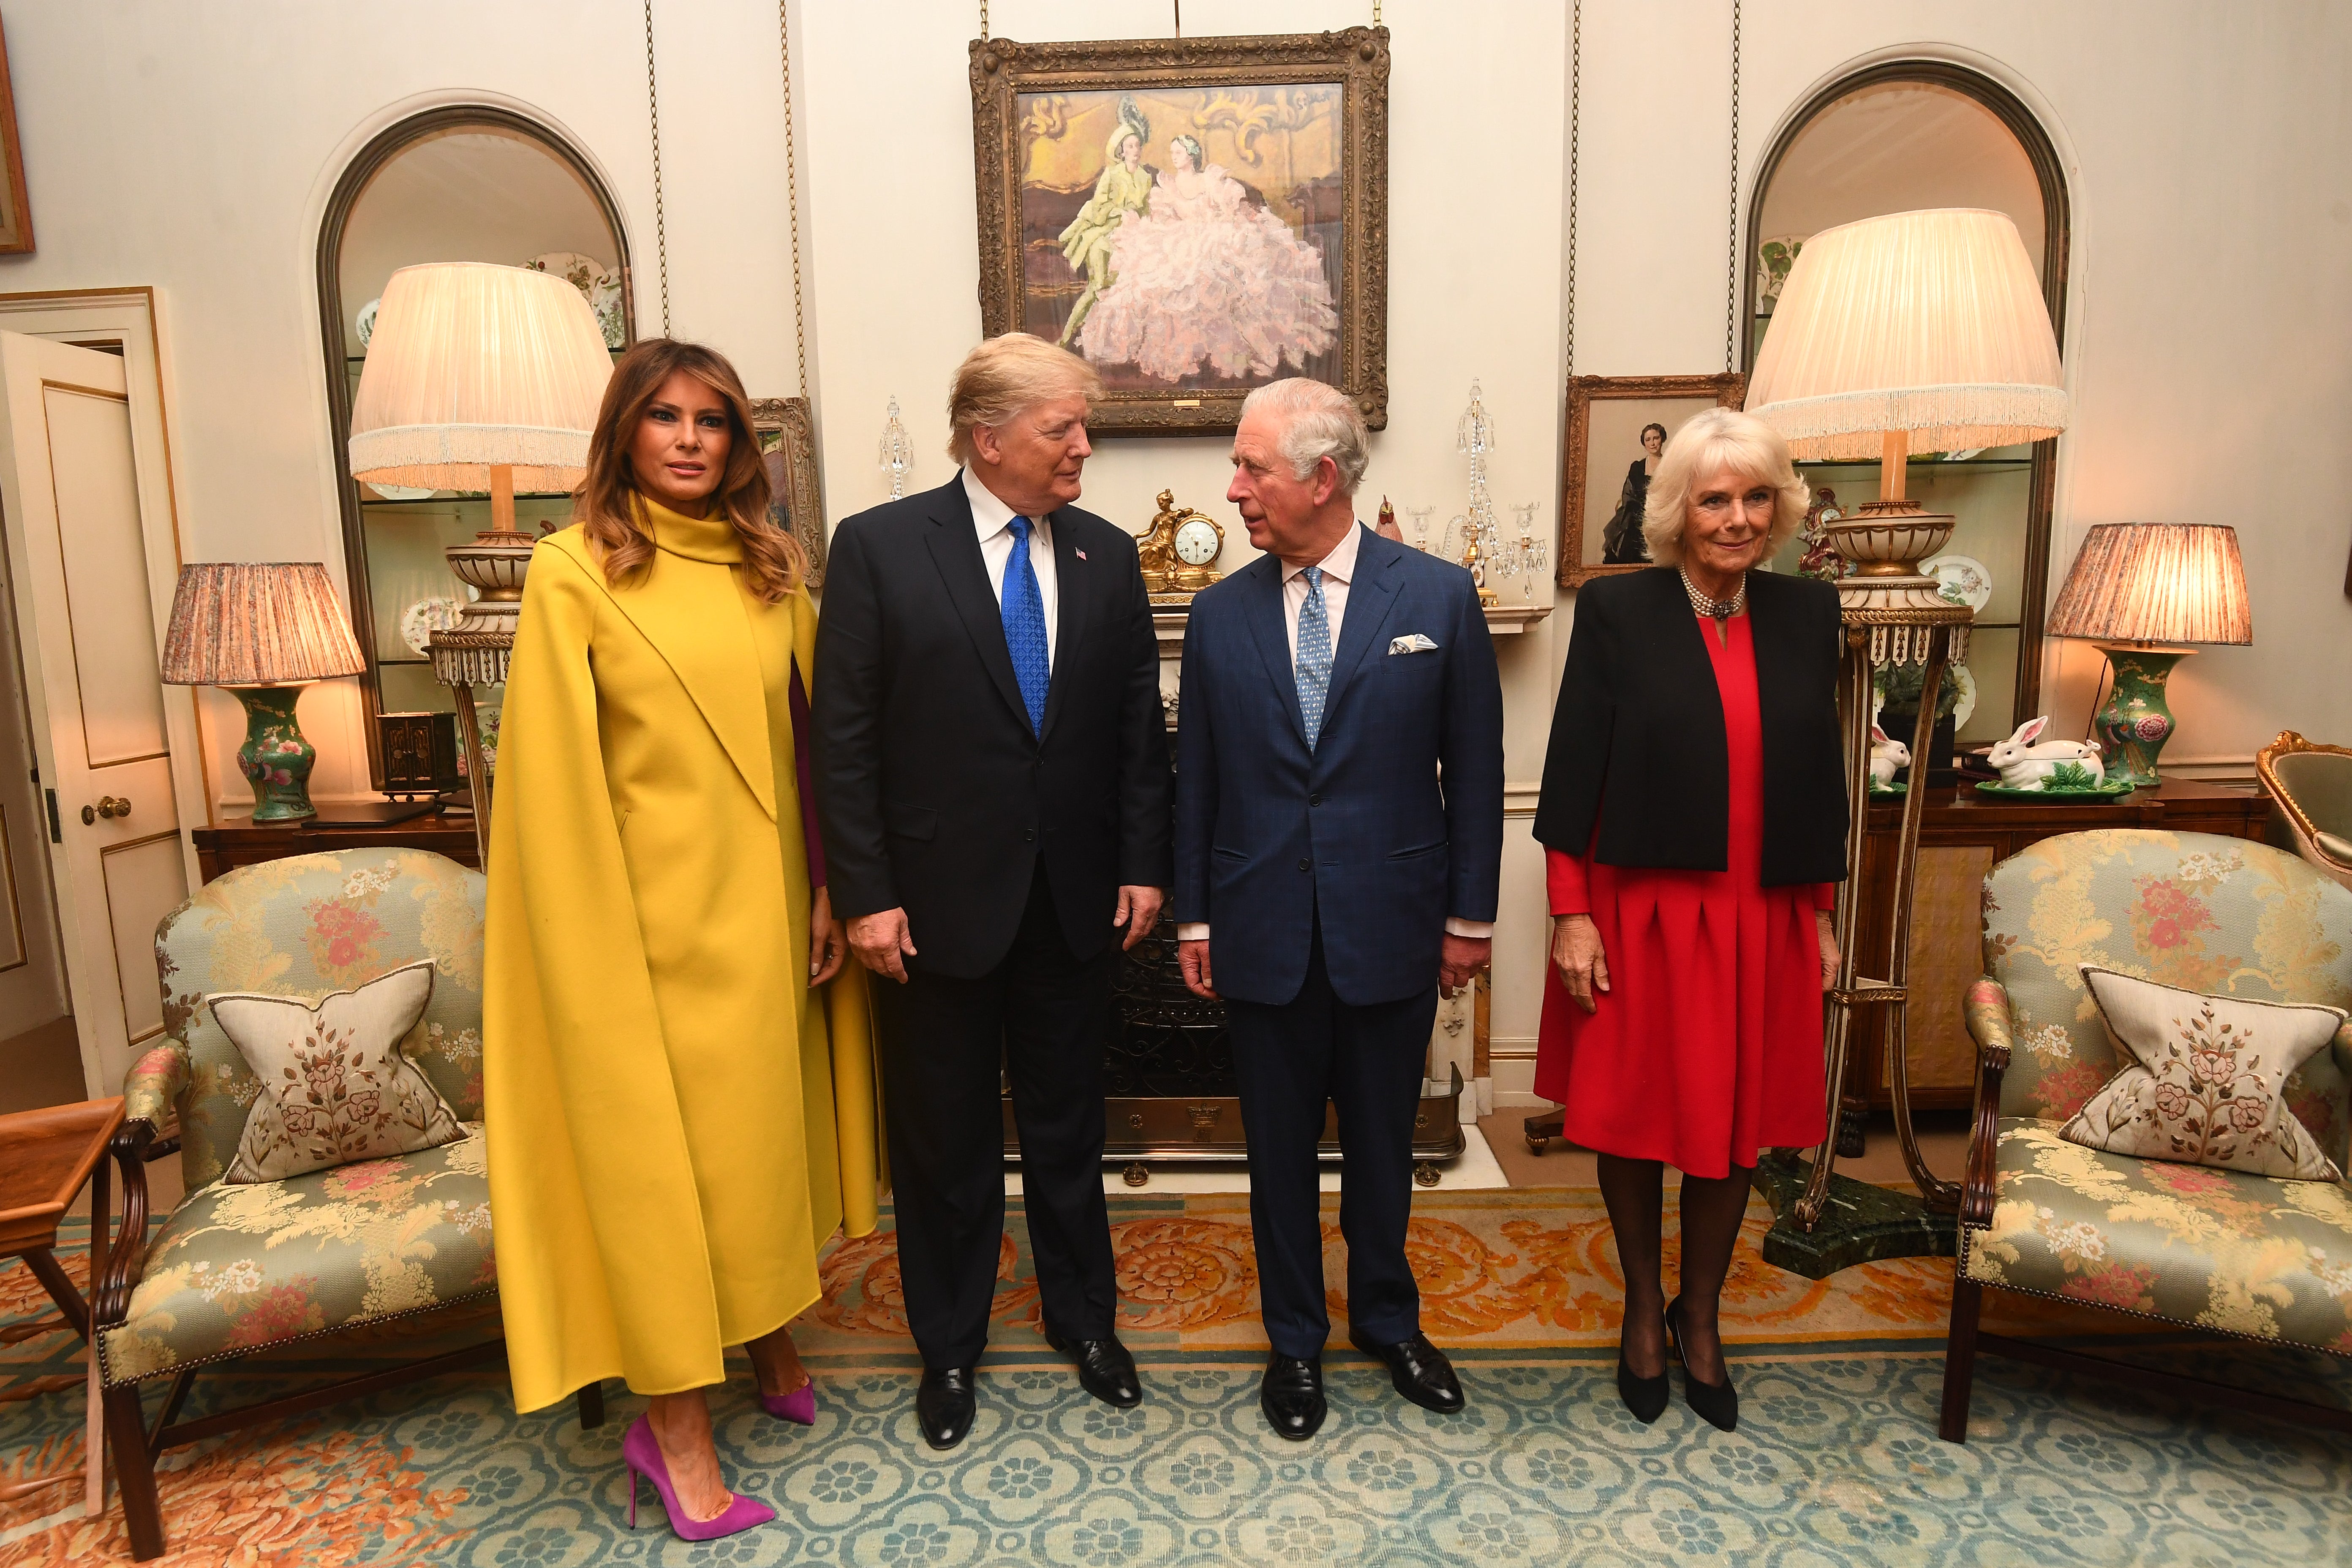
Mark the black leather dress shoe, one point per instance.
(1420, 1370)
(1291, 1395)
(1104, 1369)
(943, 1404)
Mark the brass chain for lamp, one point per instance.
(792, 194)
(1731, 283)
(653, 117)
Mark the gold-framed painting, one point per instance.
(1195, 217)
(1616, 426)
(16, 208)
(787, 437)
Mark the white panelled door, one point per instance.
(77, 567)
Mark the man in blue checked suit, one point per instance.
(1338, 839)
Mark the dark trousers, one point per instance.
(1367, 1061)
(1042, 1013)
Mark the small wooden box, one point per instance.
(420, 753)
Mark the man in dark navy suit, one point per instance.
(1338, 839)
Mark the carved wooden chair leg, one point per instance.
(134, 1471)
(591, 1400)
(1960, 1360)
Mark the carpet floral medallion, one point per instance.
(1835, 1461)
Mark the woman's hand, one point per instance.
(828, 941)
(1826, 924)
(1576, 953)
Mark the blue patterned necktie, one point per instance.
(1314, 667)
(1024, 609)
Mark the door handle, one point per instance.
(107, 807)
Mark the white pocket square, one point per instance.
(1412, 643)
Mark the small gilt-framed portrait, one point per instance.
(787, 437)
(1617, 426)
(1194, 217)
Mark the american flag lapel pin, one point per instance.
(1082, 555)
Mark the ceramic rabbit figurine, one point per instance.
(2025, 765)
(1885, 756)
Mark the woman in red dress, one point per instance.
(1693, 822)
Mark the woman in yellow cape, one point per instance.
(680, 1108)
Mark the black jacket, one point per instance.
(1637, 732)
(932, 793)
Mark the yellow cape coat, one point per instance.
(676, 1123)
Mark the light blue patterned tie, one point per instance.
(1024, 609)
(1314, 668)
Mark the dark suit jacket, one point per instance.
(1637, 731)
(1364, 833)
(932, 791)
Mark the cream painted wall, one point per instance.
(193, 149)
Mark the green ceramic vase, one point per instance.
(274, 759)
(2135, 725)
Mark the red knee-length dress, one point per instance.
(1707, 1046)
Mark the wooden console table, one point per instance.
(238, 840)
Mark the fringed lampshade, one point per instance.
(263, 628)
(481, 377)
(2140, 590)
(1928, 322)
(473, 367)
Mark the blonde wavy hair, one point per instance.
(605, 504)
(1708, 443)
(1006, 374)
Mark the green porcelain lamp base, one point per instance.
(2135, 723)
(274, 759)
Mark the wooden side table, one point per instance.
(47, 1157)
(240, 841)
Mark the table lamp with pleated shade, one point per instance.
(264, 630)
(480, 377)
(2139, 591)
(1916, 332)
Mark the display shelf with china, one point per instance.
(464, 183)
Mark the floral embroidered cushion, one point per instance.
(335, 1086)
(2206, 1084)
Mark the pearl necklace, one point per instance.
(1721, 609)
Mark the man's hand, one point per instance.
(1576, 953)
(879, 939)
(1192, 957)
(1139, 911)
(1461, 958)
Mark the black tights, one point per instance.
(1712, 1208)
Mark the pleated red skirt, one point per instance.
(1707, 1047)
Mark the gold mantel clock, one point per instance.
(1177, 550)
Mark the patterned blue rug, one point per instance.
(1835, 1461)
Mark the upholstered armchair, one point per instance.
(235, 1269)
(2240, 1254)
(2310, 786)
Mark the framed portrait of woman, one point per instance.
(1194, 217)
(1617, 426)
(787, 437)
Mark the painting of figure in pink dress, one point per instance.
(1208, 282)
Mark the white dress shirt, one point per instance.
(993, 521)
(1338, 567)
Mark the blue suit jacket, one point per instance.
(1392, 824)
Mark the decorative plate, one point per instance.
(1889, 792)
(1966, 580)
(1964, 702)
(2109, 789)
(598, 284)
(365, 325)
(423, 618)
(399, 492)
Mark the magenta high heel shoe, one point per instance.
(643, 1456)
(798, 1407)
